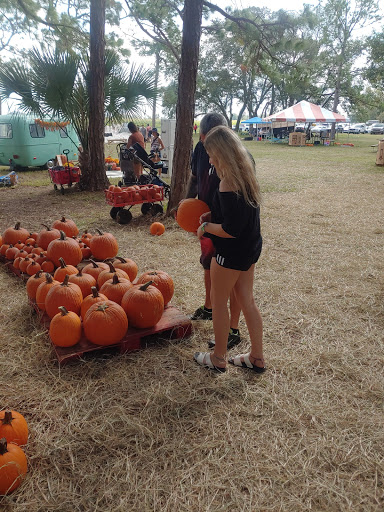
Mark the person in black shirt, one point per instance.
(234, 228)
(203, 183)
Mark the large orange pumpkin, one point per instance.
(103, 245)
(84, 281)
(143, 304)
(105, 323)
(65, 328)
(14, 235)
(13, 427)
(115, 288)
(189, 212)
(95, 268)
(66, 248)
(43, 289)
(66, 225)
(13, 466)
(63, 294)
(45, 236)
(129, 266)
(160, 280)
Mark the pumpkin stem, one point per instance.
(66, 279)
(145, 286)
(3, 446)
(123, 260)
(63, 219)
(63, 310)
(111, 267)
(115, 279)
(38, 274)
(7, 420)
(48, 277)
(62, 262)
(17, 225)
(95, 265)
(95, 292)
(62, 235)
(100, 232)
(47, 227)
(102, 307)
(80, 272)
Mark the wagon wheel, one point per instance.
(156, 208)
(55, 186)
(114, 211)
(145, 208)
(167, 191)
(123, 216)
(62, 190)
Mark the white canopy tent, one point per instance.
(306, 112)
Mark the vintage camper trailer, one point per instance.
(27, 143)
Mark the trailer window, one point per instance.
(63, 132)
(6, 131)
(36, 131)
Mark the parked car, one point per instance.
(317, 129)
(361, 127)
(377, 128)
(340, 127)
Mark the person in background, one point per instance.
(148, 128)
(195, 127)
(156, 143)
(203, 183)
(233, 225)
(143, 132)
(135, 137)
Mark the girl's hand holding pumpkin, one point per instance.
(205, 217)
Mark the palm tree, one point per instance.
(56, 84)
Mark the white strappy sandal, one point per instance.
(244, 361)
(204, 359)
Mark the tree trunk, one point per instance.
(94, 177)
(157, 71)
(185, 108)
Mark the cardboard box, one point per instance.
(297, 139)
(380, 153)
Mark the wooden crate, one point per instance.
(380, 153)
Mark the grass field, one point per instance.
(152, 431)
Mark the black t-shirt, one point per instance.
(207, 179)
(242, 221)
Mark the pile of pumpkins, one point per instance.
(134, 194)
(13, 462)
(100, 299)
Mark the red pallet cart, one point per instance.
(149, 196)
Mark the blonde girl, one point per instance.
(234, 227)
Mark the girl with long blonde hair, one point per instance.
(234, 227)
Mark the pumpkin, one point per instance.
(66, 225)
(65, 248)
(94, 268)
(13, 466)
(33, 283)
(85, 251)
(91, 299)
(103, 245)
(34, 235)
(28, 248)
(43, 289)
(128, 265)
(84, 281)
(3, 249)
(143, 305)
(86, 238)
(160, 280)
(157, 228)
(45, 236)
(115, 288)
(105, 323)
(189, 212)
(48, 266)
(11, 252)
(13, 427)
(24, 264)
(65, 328)
(16, 262)
(63, 270)
(14, 235)
(63, 294)
(108, 274)
(32, 268)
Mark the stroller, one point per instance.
(136, 154)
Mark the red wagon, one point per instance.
(149, 196)
(61, 175)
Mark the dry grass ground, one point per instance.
(152, 431)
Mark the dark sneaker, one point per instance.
(201, 313)
(233, 340)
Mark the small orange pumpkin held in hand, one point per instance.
(65, 328)
(13, 427)
(157, 228)
(13, 466)
(189, 212)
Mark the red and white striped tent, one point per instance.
(305, 112)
